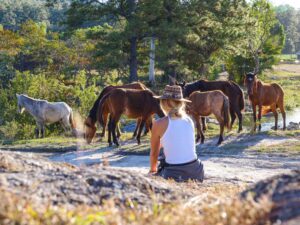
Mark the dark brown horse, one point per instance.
(268, 97)
(229, 88)
(206, 103)
(137, 104)
(90, 121)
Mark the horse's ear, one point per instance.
(172, 79)
(183, 83)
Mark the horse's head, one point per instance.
(250, 81)
(21, 107)
(157, 108)
(90, 130)
(185, 88)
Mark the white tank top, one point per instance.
(178, 141)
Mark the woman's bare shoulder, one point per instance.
(160, 125)
(161, 121)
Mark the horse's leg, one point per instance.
(148, 125)
(274, 110)
(142, 124)
(43, 130)
(221, 133)
(220, 119)
(118, 130)
(233, 117)
(200, 135)
(109, 131)
(114, 122)
(204, 125)
(36, 131)
(65, 122)
(254, 116)
(104, 117)
(138, 122)
(240, 117)
(259, 117)
(281, 107)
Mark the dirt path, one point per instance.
(239, 159)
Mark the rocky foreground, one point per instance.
(43, 182)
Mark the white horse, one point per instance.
(45, 112)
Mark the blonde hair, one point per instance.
(173, 108)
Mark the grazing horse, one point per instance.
(138, 104)
(45, 112)
(268, 97)
(206, 103)
(90, 121)
(229, 88)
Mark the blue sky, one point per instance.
(294, 3)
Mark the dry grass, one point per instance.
(14, 210)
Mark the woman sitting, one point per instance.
(175, 133)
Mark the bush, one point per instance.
(76, 93)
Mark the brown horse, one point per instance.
(90, 121)
(229, 88)
(138, 104)
(206, 103)
(268, 97)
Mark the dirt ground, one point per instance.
(240, 159)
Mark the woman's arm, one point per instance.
(155, 146)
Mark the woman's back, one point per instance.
(178, 141)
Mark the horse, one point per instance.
(90, 121)
(229, 88)
(45, 112)
(205, 104)
(137, 104)
(268, 97)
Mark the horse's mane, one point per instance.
(94, 109)
(33, 99)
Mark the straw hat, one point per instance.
(172, 92)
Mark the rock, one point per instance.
(293, 126)
(41, 181)
(284, 192)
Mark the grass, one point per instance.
(288, 76)
(287, 57)
(217, 206)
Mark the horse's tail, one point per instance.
(241, 96)
(225, 111)
(72, 121)
(100, 109)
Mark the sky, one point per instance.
(294, 3)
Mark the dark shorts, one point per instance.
(188, 171)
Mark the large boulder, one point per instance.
(42, 181)
(284, 192)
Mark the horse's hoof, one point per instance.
(109, 144)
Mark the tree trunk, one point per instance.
(152, 61)
(133, 60)
(257, 62)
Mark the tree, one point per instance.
(263, 28)
(264, 39)
(288, 17)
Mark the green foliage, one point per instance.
(289, 18)
(265, 39)
(79, 96)
(15, 12)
